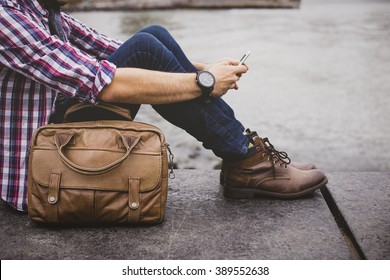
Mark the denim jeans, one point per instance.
(213, 123)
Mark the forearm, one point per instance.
(140, 86)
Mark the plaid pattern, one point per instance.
(34, 67)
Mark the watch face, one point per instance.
(206, 79)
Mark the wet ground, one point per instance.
(318, 84)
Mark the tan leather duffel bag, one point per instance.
(93, 172)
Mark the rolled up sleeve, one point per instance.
(29, 48)
(90, 40)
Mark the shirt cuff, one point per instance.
(104, 77)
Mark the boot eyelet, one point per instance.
(258, 148)
(263, 154)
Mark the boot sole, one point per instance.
(241, 193)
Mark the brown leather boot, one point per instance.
(255, 139)
(266, 171)
(297, 165)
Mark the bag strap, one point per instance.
(101, 111)
(134, 200)
(52, 197)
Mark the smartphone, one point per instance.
(244, 57)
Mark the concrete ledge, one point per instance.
(172, 4)
(201, 224)
(363, 202)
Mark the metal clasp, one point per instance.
(171, 164)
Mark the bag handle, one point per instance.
(76, 109)
(63, 139)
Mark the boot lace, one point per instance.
(275, 154)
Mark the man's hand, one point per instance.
(226, 72)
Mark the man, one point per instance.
(42, 61)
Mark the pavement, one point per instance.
(349, 219)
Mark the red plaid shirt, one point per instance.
(34, 67)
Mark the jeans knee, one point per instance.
(138, 45)
(143, 42)
(142, 37)
(157, 31)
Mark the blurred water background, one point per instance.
(318, 84)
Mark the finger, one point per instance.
(234, 62)
(234, 86)
(240, 69)
(247, 68)
(243, 68)
(225, 61)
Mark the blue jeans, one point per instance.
(213, 123)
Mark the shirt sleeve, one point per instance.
(28, 47)
(89, 40)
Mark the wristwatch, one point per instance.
(205, 81)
